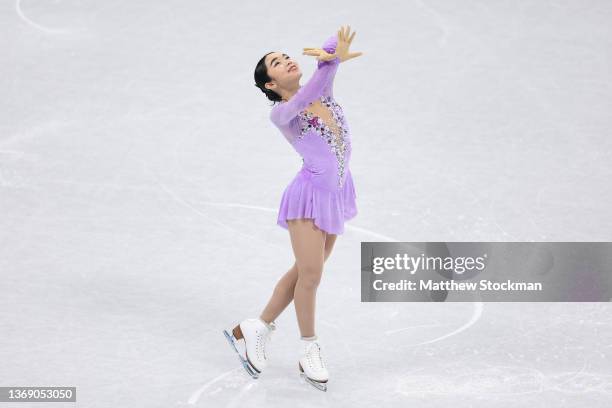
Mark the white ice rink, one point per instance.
(140, 178)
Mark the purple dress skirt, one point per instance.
(323, 189)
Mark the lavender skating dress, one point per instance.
(323, 189)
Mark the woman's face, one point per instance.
(284, 71)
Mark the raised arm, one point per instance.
(330, 47)
(319, 84)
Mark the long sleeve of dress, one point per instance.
(330, 46)
(321, 83)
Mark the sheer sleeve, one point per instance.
(330, 46)
(320, 83)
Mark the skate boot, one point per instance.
(249, 340)
(311, 365)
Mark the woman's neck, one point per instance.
(289, 94)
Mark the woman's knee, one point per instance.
(309, 276)
(309, 282)
(287, 281)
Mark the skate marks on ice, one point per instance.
(184, 202)
(565, 360)
(233, 378)
(476, 315)
(232, 387)
(488, 381)
(419, 326)
(37, 26)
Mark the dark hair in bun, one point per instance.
(261, 77)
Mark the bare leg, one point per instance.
(308, 244)
(285, 288)
(281, 297)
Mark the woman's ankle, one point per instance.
(269, 323)
(309, 338)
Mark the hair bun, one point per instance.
(261, 78)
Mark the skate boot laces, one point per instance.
(313, 356)
(263, 339)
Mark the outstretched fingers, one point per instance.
(344, 32)
(321, 54)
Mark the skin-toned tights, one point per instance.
(311, 247)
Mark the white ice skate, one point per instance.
(249, 340)
(312, 367)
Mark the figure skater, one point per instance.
(315, 204)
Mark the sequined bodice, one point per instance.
(338, 141)
(324, 141)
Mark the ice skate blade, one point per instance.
(247, 367)
(321, 386)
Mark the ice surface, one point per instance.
(140, 178)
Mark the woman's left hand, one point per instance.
(345, 38)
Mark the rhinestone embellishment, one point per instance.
(338, 143)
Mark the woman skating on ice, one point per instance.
(315, 204)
